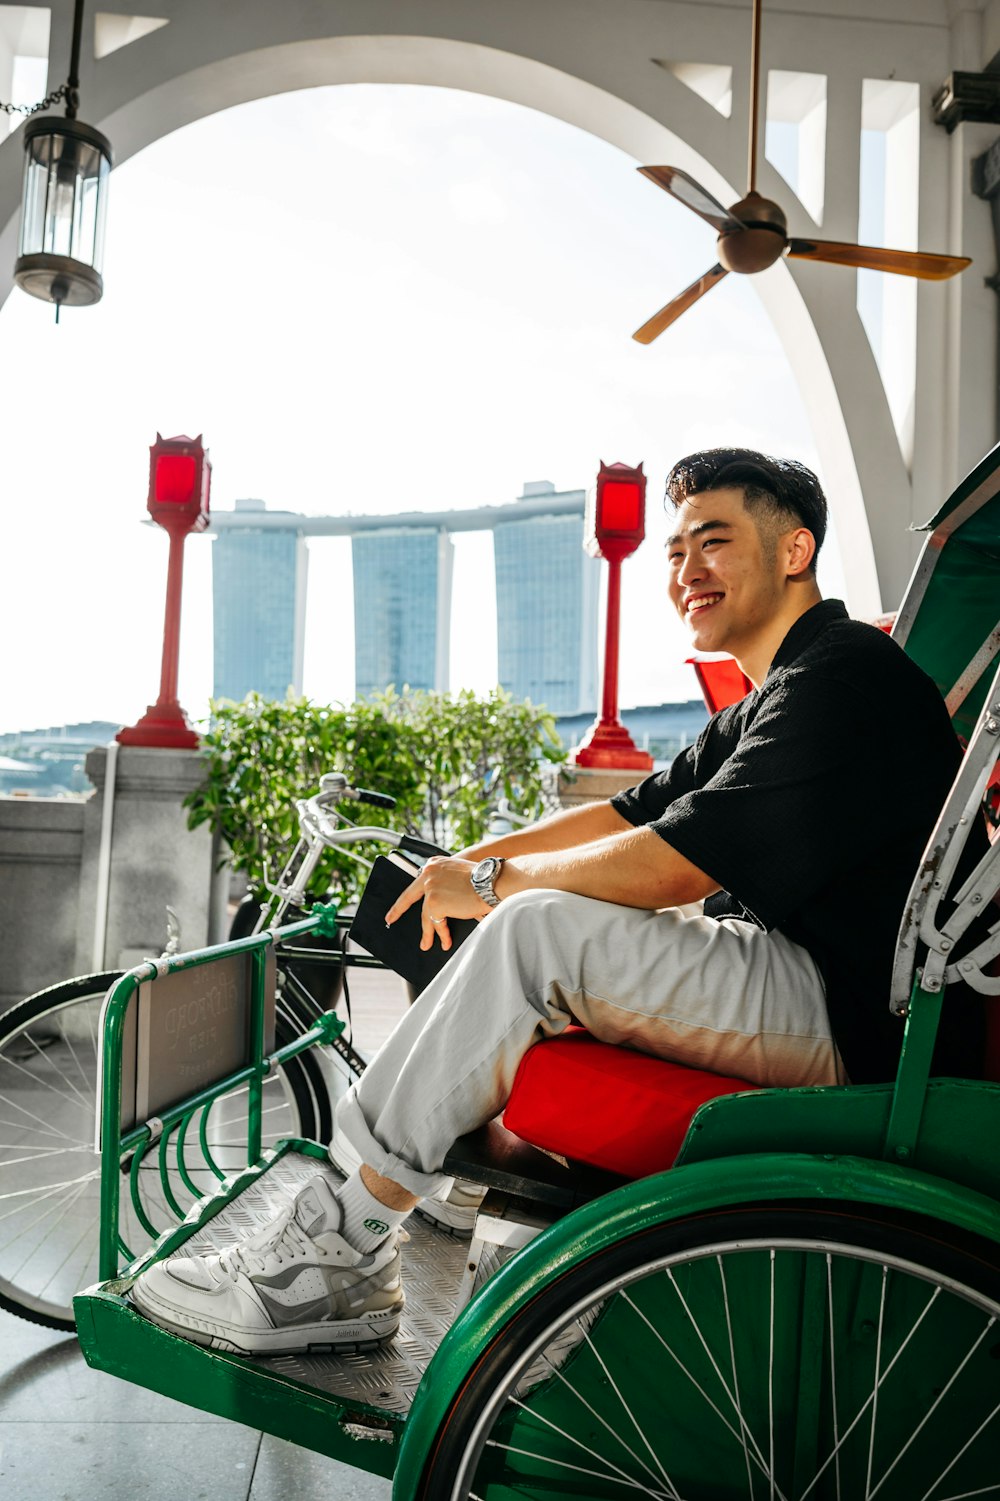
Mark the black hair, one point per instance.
(782, 488)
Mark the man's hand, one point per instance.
(445, 888)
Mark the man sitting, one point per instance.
(799, 817)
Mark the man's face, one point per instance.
(726, 579)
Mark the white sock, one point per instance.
(367, 1221)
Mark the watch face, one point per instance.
(486, 869)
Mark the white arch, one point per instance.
(151, 91)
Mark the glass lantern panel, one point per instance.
(86, 203)
(36, 185)
(59, 209)
(621, 506)
(176, 474)
(99, 187)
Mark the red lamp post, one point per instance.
(615, 525)
(179, 478)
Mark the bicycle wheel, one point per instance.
(802, 1353)
(49, 1169)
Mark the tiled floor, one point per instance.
(68, 1433)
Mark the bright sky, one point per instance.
(369, 299)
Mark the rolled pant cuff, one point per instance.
(351, 1123)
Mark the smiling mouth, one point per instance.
(701, 602)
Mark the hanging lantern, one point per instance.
(64, 199)
(63, 209)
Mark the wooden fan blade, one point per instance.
(693, 196)
(875, 258)
(669, 314)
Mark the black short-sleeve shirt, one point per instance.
(810, 803)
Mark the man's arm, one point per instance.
(633, 867)
(561, 831)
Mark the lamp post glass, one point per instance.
(64, 205)
(614, 526)
(615, 522)
(180, 476)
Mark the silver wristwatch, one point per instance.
(484, 877)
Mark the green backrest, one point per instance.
(950, 617)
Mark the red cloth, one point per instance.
(608, 1106)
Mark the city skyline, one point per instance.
(546, 589)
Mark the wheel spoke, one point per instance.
(87, 1078)
(757, 1456)
(46, 1127)
(770, 1372)
(630, 1415)
(878, 1365)
(87, 1106)
(612, 1471)
(46, 1056)
(983, 1490)
(868, 1400)
(964, 1449)
(89, 1232)
(65, 1207)
(563, 1464)
(732, 1365)
(43, 1193)
(935, 1405)
(833, 1370)
(554, 1370)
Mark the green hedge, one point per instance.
(433, 752)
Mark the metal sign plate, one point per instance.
(193, 1028)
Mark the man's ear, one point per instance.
(800, 550)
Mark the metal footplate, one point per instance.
(351, 1405)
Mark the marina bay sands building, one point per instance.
(546, 592)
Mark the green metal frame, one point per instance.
(176, 1122)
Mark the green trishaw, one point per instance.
(805, 1305)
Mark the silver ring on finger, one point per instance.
(437, 919)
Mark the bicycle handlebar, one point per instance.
(334, 786)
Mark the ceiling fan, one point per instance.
(753, 234)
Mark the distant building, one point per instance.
(259, 598)
(547, 590)
(49, 762)
(402, 608)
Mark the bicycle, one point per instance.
(49, 1173)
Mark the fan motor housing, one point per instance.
(760, 241)
(751, 249)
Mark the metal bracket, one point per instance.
(967, 96)
(326, 912)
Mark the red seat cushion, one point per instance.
(608, 1106)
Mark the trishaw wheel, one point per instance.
(797, 1352)
(49, 1168)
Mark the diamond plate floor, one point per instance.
(433, 1263)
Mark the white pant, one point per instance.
(723, 996)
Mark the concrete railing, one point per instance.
(41, 845)
(81, 891)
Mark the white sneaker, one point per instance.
(455, 1215)
(295, 1285)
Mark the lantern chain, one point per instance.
(62, 92)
